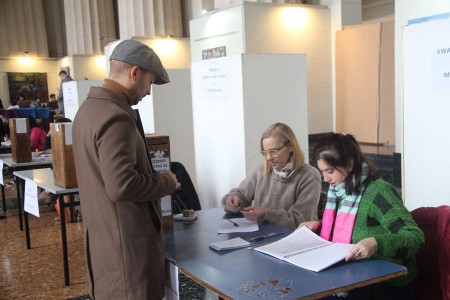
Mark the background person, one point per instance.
(284, 189)
(119, 190)
(37, 135)
(52, 103)
(365, 210)
(60, 99)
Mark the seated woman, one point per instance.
(367, 211)
(282, 190)
(37, 135)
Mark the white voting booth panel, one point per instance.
(234, 99)
(426, 145)
(75, 93)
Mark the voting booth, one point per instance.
(159, 150)
(62, 151)
(20, 140)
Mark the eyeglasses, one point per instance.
(273, 152)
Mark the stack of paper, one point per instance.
(235, 243)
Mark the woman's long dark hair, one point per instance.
(338, 150)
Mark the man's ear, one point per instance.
(134, 73)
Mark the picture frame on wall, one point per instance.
(214, 52)
(32, 86)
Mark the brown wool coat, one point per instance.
(118, 193)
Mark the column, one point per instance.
(149, 18)
(22, 28)
(86, 24)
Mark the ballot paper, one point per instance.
(235, 243)
(243, 225)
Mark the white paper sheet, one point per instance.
(244, 225)
(31, 198)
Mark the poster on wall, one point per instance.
(32, 86)
(214, 52)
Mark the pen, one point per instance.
(234, 223)
(263, 237)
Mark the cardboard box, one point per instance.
(20, 140)
(62, 151)
(159, 149)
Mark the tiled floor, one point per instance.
(37, 273)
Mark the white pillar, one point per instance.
(343, 12)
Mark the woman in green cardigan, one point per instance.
(365, 210)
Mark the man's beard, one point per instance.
(134, 97)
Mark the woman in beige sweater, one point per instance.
(284, 189)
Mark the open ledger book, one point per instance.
(306, 249)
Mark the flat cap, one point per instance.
(135, 53)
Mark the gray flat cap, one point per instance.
(135, 53)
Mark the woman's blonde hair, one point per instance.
(287, 135)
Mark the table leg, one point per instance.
(27, 230)
(62, 217)
(3, 198)
(19, 203)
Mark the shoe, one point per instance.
(11, 183)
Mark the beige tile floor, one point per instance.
(37, 273)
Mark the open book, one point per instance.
(306, 249)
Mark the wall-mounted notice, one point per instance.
(215, 79)
(426, 94)
(439, 56)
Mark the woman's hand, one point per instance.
(365, 248)
(233, 204)
(253, 212)
(312, 225)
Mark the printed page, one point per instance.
(299, 241)
(321, 258)
(306, 249)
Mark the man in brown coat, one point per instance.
(119, 191)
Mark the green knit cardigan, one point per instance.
(382, 215)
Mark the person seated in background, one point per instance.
(37, 135)
(48, 141)
(284, 189)
(365, 210)
(52, 103)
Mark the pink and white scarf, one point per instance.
(340, 211)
